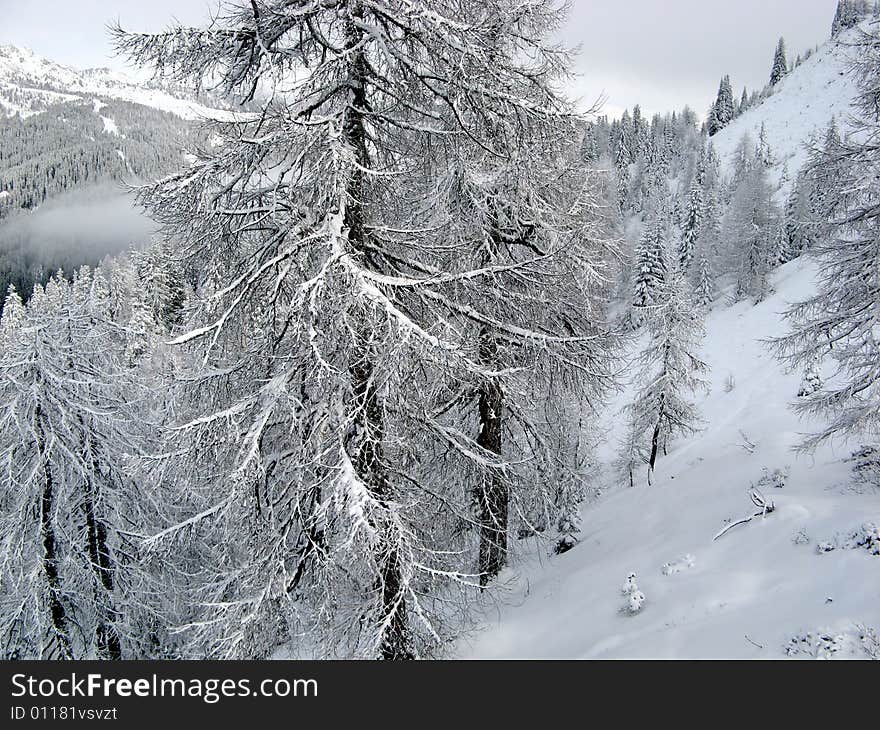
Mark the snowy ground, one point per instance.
(745, 595)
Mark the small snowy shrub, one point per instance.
(775, 479)
(634, 597)
(569, 527)
(867, 537)
(812, 381)
(801, 537)
(821, 644)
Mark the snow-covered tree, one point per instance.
(763, 152)
(651, 263)
(692, 224)
(812, 380)
(704, 289)
(400, 268)
(670, 373)
(780, 64)
(750, 229)
(722, 111)
(66, 432)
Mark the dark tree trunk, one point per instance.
(368, 460)
(99, 553)
(493, 495)
(655, 438)
(57, 614)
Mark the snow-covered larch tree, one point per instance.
(842, 320)
(392, 265)
(669, 377)
(66, 432)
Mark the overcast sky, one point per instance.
(661, 54)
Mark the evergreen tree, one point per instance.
(723, 109)
(693, 220)
(589, 145)
(780, 64)
(704, 292)
(651, 262)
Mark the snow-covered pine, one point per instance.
(841, 320)
(693, 219)
(812, 380)
(704, 290)
(800, 226)
(651, 260)
(722, 111)
(780, 64)
(356, 335)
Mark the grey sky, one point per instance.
(661, 54)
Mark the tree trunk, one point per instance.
(655, 438)
(107, 638)
(493, 495)
(368, 459)
(57, 614)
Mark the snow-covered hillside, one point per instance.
(800, 107)
(763, 589)
(29, 82)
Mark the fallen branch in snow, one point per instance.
(754, 643)
(764, 508)
(748, 445)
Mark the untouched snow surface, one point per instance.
(746, 595)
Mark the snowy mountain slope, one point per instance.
(747, 594)
(801, 106)
(29, 82)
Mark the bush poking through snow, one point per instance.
(634, 597)
(870, 640)
(820, 644)
(861, 640)
(867, 536)
(866, 465)
(569, 527)
(775, 479)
